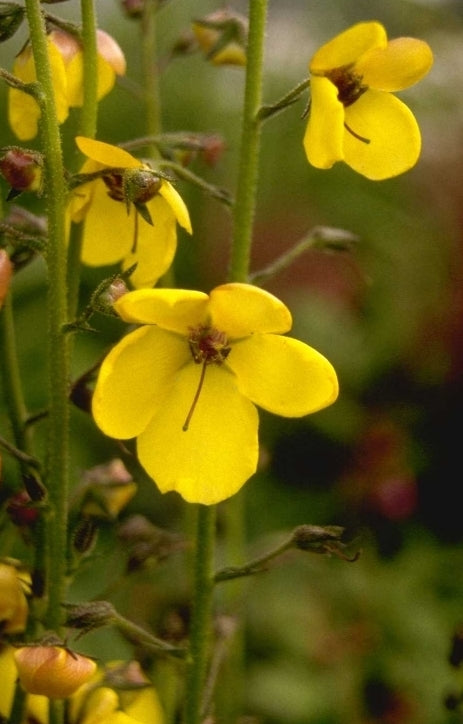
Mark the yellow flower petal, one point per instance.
(75, 76)
(176, 310)
(106, 154)
(242, 309)
(135, 378)
(155, 244)
(283, 375)
(394, 135)
(23, 110)
(177, 205)
(323, 139)
(217, 454)
(349, 45)
(143, 705)
(401, 64)
(109, 231)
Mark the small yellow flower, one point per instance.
(66, 60)
(186, 383)
(14, 585)
(353, 115)
(130, 214)
(52, 671)
(133, 701)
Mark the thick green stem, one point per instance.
(89, 113)
(57, 357)
(244, 209)
(201, 620)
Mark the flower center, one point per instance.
(348, 83)
(208, 346)
(350, 88)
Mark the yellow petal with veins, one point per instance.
(134, 380)
(240, 310)
(283, 375)
(393, 133)
(106, 154)
(176, 310)
(323, 139)
(348, 46)
(211, 460)
(401, 64)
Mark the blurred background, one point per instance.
(328, 641)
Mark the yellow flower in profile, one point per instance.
(66, 60)
(130, 214)
(186, 383)
(120, 694)
(353, 115)
(36, 706)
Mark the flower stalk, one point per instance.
(58, 357)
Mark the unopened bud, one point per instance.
(89, 616)
(222, 36)
(11, 17)
(140, 185)
(52, 671)
(106, 490)
(22, 170)
(85, 535)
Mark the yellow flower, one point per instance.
(14, 585)
(66, 60)
(353, 115)
(186, 383)
(52, 671)
(130, 213)
(36, 706)
(132, 700)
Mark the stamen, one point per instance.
(186, 424)
(356, 135)
(135, 233)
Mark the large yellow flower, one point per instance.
(186, 383)
(130, 214)
(353, 115)
(66, 60)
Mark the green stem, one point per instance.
(244, 209)
(201, 620)
(57, 357)
(152, 94)
(89, 114)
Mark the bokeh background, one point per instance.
(328, 641)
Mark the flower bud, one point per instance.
(140, 185)
(222, 37)
(11, 17)
(106, 490)
(52, 671)
(6, 272)
(22, 169)
(13, 602)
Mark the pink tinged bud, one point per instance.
(111, 52)
(6, 272)
(52, 671)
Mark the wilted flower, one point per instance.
(36, 706)
(186, 383)
(22, 169)
(6, 272)
(66, 60)
(130, 214)
(353, 115)
(52, 671)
